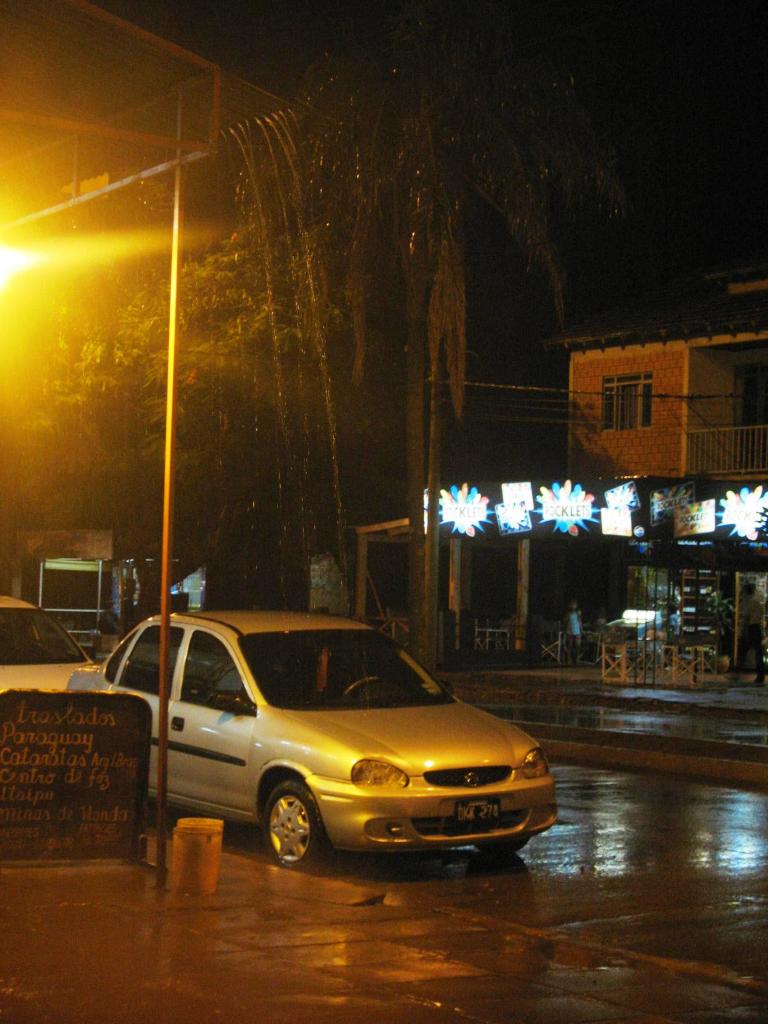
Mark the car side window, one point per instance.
(209, 671)
(142, 667)
(116, 659)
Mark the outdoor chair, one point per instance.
(552, 646)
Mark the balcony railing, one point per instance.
(734, 450)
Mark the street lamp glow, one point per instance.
(12, 261)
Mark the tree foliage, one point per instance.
(254, 481)
(404, 143)
(407, 139)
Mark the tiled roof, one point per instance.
(703, 307)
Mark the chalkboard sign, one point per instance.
(73, 774)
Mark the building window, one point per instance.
(627, 401)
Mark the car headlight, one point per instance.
(534, 764)
(378, 773)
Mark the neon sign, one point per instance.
(623, 496)
(513, 514)
(518, 494)
(665, 500)
(464, 509)
(746, 512)
(616, 521)
(566, 505)
(513, 518)
(698, 517)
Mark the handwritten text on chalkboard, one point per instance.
(73, 774)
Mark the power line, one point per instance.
(533, 389)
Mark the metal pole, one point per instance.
(167, 551)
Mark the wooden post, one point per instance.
(521, 597)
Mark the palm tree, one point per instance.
(405, 143)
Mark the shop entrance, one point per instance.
(676, 617)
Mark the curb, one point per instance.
(721, 763)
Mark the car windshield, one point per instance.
(336, 669)
(30, 637)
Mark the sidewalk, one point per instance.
(91, 943)
(717, 730)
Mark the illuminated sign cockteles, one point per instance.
(654, 509)
(566, 505)
(665, 500)
(464, 508)
(696, 518)
(746, 512)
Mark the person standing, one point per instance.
(752, 617)
(674, 622)
(573, 631)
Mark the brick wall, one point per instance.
(653, 450)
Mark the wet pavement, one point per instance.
(674, 723)
(94, 944)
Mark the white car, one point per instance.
(326, 733)
(35, 651)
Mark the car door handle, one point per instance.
(177, 724)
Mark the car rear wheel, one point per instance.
(293, 827)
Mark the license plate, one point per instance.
(481, 813)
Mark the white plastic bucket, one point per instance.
(196, 855)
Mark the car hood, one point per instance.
(419, 739)
(37, 677)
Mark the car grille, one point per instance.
(470, 778)
(452, 827)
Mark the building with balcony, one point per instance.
(661, 511)
(676, 385)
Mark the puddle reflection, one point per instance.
(699, 727)
(619, 823)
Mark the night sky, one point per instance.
(675, 87)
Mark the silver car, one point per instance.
(327, 734)
(35, 651)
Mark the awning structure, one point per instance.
(90, 103)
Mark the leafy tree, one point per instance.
(405, 142)
(254, 472)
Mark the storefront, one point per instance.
(681, 549)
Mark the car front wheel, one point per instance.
(293, 827)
